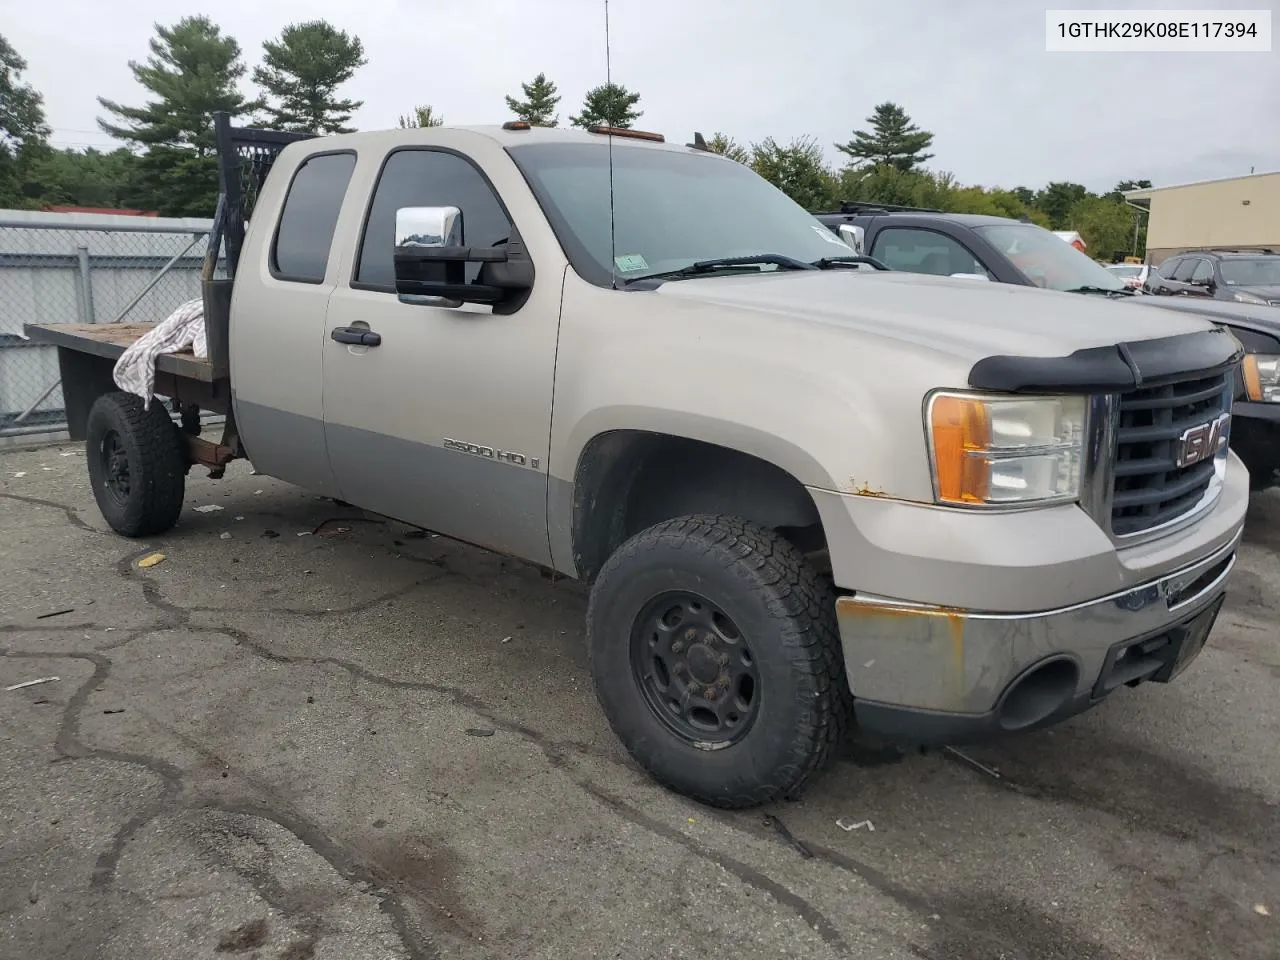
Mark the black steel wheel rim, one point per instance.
(114, 461)
(695, 670)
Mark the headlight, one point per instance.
(1248, 298)
(998, 451)
(1262, 377)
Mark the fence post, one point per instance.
(86, 283)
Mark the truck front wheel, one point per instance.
(716, 657)
(137, 466)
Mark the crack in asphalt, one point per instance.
(73, 517)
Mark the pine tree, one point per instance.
(610, 104)
(23, 130)
(421, 117)
(192, 71)
(539, 104)
(893, 141)
(301, 72)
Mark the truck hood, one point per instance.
(965, 319)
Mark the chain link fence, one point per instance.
(82, 268)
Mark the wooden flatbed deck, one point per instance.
(110, 340)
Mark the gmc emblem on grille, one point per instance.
(1201, 442)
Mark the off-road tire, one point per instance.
(151, 447)
(784, 611)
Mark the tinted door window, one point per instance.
(428, 178)
(1183, 273)
(924, 251)
(310, 214)
(1203, 272)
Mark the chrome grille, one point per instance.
(1149, 488)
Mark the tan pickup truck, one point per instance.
(808, 493)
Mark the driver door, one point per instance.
(445, 422)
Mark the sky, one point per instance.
(1003, 111)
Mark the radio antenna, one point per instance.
(613, 235)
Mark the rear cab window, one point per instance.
(300, 250)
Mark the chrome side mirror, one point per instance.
(429, 227)
(432, 227)
(852, 235)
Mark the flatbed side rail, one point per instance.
(245, 157)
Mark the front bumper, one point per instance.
(935, 675)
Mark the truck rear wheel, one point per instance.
(716, 657)
(137, 466)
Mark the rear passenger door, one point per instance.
(446, 422)
(279, 302)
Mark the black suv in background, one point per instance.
(1245, 276)
(1013, 251)
(965, 244)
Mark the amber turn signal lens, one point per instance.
(961, 430)
(1252, 378)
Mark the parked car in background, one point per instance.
(980, 247)
(1245, 276)
(1134, 275)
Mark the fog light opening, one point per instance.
(1038, 694)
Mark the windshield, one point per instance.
(1253, 272)
(671, 209)
(1046, 260)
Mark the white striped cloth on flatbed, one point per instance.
(135, 371)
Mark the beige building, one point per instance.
(1234, 213)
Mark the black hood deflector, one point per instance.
(1112, 369)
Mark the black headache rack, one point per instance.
(245, 156)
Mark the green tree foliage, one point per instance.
(611, 104)
(1057, 199)
(539, 104)
(23, 130)
(798, 170)
(88, 178)
(421, 117)
(1107, 226)
(726, 146)
(892, 141)
(192, 72)
(301, 73)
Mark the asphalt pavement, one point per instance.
(308, 733)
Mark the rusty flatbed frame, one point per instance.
(87, 354)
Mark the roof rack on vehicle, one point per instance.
(868, 206)
(245, 155)
(1263, 250)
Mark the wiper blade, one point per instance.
(1109, 291)
(850, 260)
(725, 263)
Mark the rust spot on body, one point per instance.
(863, 489)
